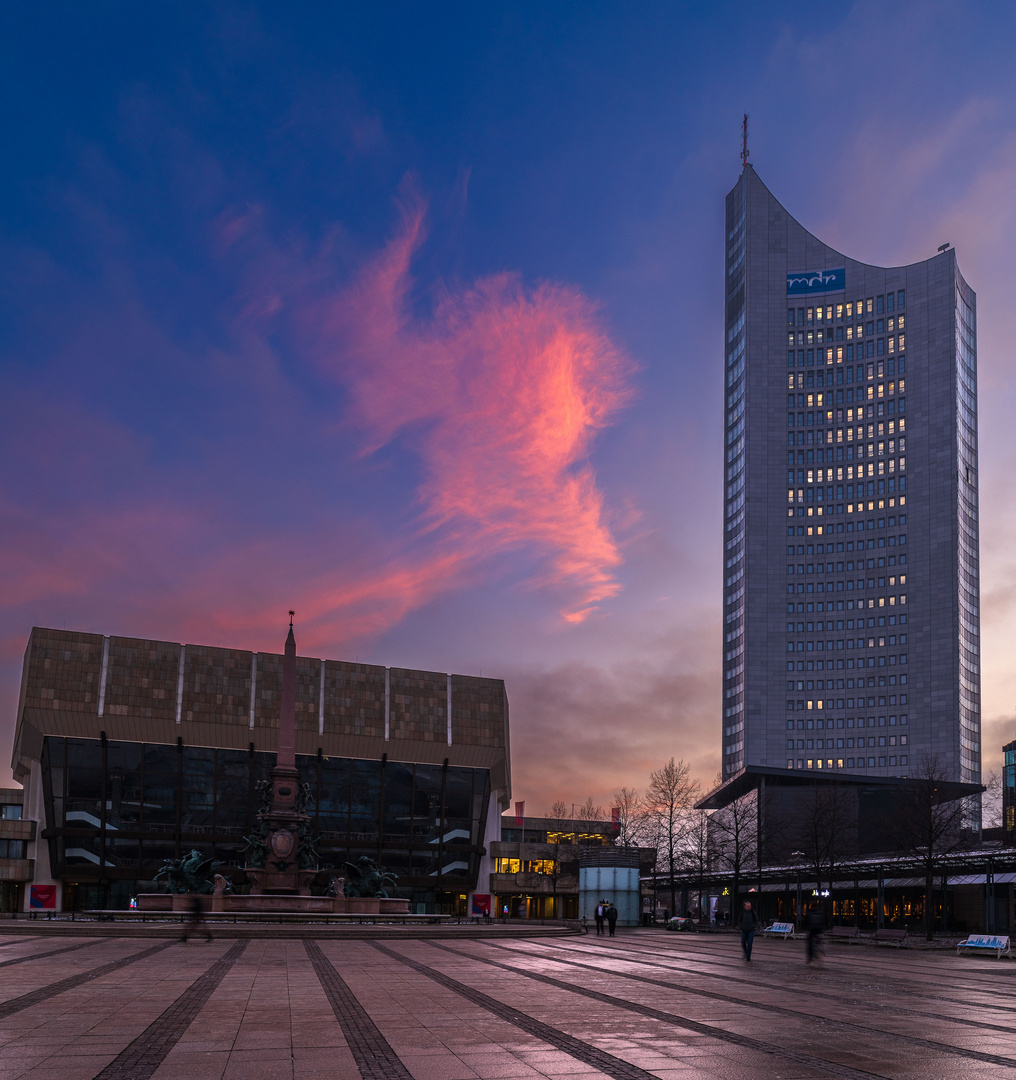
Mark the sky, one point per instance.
(409, 317)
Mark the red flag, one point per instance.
(520, 813)
(615, 817)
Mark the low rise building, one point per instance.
(536, 865)
(16, 834)
(1009, 793)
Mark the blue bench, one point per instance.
(987, 943)
(780, 929)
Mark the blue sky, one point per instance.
(409, 316)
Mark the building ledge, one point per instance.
(751, 778)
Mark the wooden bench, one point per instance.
(780, 929)
(844, 933)
(896, 938)
(987, 943)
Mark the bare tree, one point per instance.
(559, 823)
(631, 824)
(824, 831)
(558, 816)
(588, 816)
(991, 801)
(669, 800)
(697, 853)
(735, 834)
(927, 823)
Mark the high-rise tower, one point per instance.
(851, 627)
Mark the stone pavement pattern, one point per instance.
(645, 1004)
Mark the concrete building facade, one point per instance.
(851, 624)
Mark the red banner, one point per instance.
(481, 904)
(615, 817)
(42, 897)
(520, 813)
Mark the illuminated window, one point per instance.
(540, 866)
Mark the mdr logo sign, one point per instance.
(816, 281)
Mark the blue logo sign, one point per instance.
(817, 281)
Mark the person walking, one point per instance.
(816, 927)
(749, 921)
(599, 916)
(611, 918)
(195, 923)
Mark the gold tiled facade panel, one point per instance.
(354, 699)
(478, 711)
(62, 670)
(216, 685)
(60, 695)
(141, 678)
(16, 869)
(268, 694)
(418, 708)
(17, 830)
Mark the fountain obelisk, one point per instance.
(277, 883)
(282, 821)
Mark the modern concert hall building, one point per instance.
(132, 752)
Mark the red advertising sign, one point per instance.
(42, 898)
(481, 904)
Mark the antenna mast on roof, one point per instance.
(744, 141)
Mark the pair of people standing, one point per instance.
(606, 913)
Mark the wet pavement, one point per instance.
(643, 1004)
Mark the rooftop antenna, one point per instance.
(744, 141)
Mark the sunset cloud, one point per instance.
(500, 389)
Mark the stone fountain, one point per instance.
(281, 861)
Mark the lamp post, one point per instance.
(797, 910)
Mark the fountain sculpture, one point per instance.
(281, 861)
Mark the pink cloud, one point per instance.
(501, 390)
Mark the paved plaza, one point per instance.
(643, 1004)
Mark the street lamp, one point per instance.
(797, 909)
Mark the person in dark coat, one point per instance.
(611, 918)
(600, 912)
(816, 927)
(749, 921)
(195, 923)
